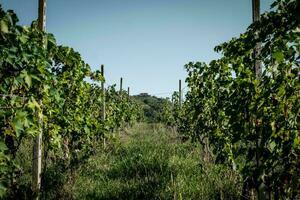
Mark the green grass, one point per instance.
(149, 162)
(146, 161)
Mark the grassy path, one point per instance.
(149, 162)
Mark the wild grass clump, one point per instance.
(151, 163)
(147, 161)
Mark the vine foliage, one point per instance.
(42, 80)
(252, 124)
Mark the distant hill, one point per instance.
(152, 106)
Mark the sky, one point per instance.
(147, 42)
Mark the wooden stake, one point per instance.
(42, 15)
(103, 95)
(255, 10)
(128, 91)
(121, 85)
(103, 116)
(180, 93)
(255, 17)
(37, 145)
(261, 189)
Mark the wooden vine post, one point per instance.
(121, 96)
(128, 91)
(261, 189)
(255, 17)
(180, 93)
(103, 95)
(103, 116)
(37, 146)
(121, 85)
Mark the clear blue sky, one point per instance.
(147, 42)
